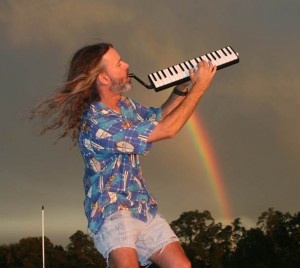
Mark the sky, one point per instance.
(249, 114)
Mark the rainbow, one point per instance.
(206, 153)
(199, 137)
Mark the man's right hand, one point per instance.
(203, 75)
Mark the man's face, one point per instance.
(117, 71)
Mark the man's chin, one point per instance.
(126, 89)
(121, 88)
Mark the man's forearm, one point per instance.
(171, 103)
(173, 121)
(174, 100)
(176, 119)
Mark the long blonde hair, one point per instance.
(65, 108)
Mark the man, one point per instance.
(112, 132)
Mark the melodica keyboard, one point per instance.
(179, 73)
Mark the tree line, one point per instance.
(273, 243)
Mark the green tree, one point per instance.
(275, 243)
(7, 259)
(254, 250)
(283, 229)
(28, 254)
(81, 252)
(205, 242)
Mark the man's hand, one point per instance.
(203, 75)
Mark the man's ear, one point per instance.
(103, 79)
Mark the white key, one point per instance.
(156, 83)
(167, 79)
(214, 62)
(233, 55)
(180, 72)
(198, 61)
(204, 58)
(172, 76)
(177, 75)
(217, 61)
(194, 62)
(185, 70)
(230, 57)
(163, 79)
(188, 65)
(221, 60)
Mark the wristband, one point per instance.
(180, 93)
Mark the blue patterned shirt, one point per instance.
(110, 144)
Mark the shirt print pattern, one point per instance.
(110, 145)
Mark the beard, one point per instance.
(120, 85)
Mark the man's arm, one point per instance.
(173, 121)
(174, 99)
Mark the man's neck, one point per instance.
(110, 99)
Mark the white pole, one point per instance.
(43, 235)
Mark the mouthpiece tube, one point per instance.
(140, 81)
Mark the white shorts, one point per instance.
(122, 230)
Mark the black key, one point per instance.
(186, 65)
(224, 52)
(215, 55)
(174, 70)
(170, 71)
(208, 57)
(164, 73)
(181, 67)
(158, 75)
(228, 50)
(218, 55)
(154, 76)
(211, 54)
(192, 65)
